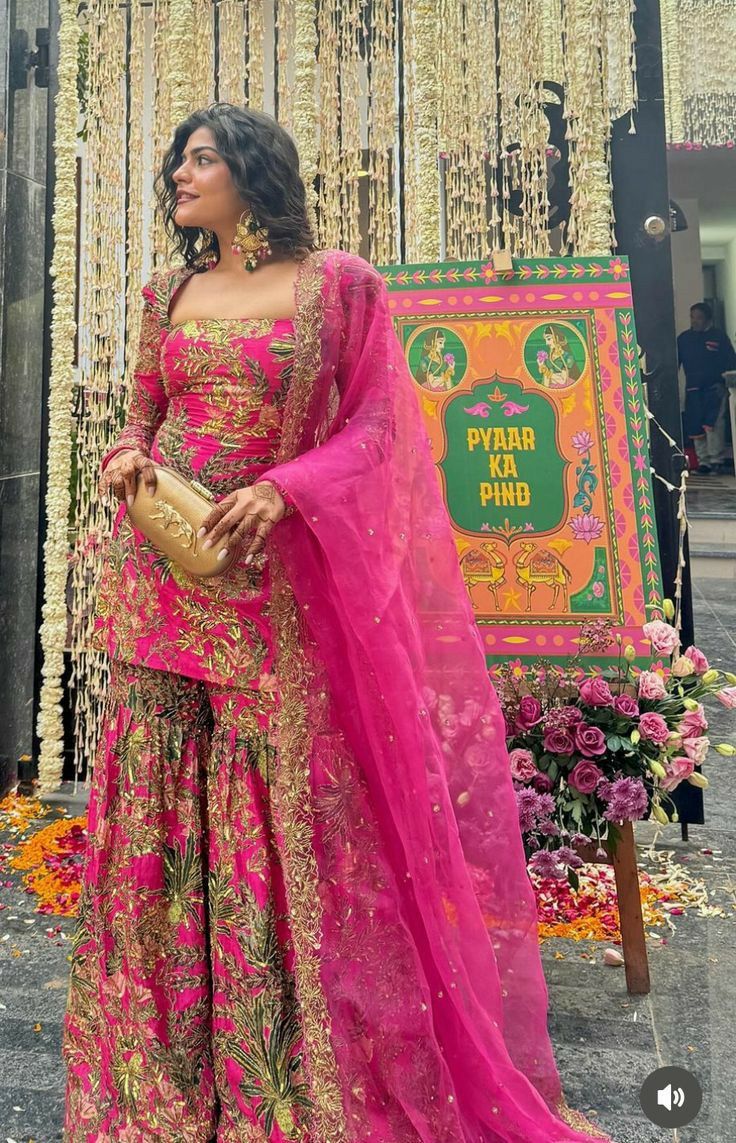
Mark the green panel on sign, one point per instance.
(596, 595)
(502, 465)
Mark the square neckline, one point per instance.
(259, 320)
(262, 322)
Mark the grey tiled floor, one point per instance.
(606, 1042)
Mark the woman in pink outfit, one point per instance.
(305, 913)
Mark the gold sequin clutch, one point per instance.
(171, 518)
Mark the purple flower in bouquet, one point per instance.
(558, 742)
(728, 697)
(582, 441)
(523, 766)
(533, 808)
(586, 528)
(694, 723)
(579, 839)
(562, 717)
(590, 739)
(552, 863)
(528, 714)
(569, 857)
(542, 782)
(596, 692)
(662, 636)
(697, 749)
(548, 828)
(545, 863)
(585, 776)
(698, 660)
(626, 706)
(651, 686)
(626, 798)
(653, 728)
(676, 771)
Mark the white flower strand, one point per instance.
(63, 272)
(681, 490)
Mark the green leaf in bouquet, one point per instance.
(613, 742)
(572, 878)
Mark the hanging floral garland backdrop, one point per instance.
(699, 57)
(423, 133)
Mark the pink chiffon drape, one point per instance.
(373, 568)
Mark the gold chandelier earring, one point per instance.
(251, 239)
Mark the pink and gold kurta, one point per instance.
(210, 407)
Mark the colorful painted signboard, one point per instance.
(529, 383)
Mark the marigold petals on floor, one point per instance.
(591, 911)
(51, 858)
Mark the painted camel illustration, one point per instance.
(485, 565)
(539, 565)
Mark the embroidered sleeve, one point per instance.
(285, 496)
(148, 399)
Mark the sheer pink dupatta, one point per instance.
(370, 560)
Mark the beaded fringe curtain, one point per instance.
(699, 55)
(423, 132)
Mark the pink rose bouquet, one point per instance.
(590, 750)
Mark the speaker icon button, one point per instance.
(671, 1097)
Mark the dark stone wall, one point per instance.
(23, 270)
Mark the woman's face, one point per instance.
(550, 339)
(204, 175)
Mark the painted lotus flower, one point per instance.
(587, 528)
(582, 441)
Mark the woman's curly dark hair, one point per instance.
(264, 163)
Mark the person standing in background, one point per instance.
(705, 354)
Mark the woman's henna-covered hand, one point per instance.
(121, 474)
(256, 508)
